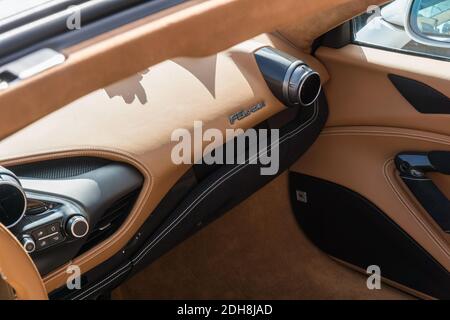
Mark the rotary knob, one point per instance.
(77, 226)
(28, 244)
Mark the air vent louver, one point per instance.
(111, 220)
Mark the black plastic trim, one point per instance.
(59, 168)
(402, 51)
(413, 167)
(90, 189)
(431, 198)
(339, 37)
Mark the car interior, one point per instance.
(88, 184)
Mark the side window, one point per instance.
(383, 27)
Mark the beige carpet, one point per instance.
(256, 251)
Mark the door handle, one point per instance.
(413, 167)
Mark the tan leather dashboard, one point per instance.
(132, 121)
(195, 28)
(363, 162)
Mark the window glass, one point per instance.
(384, 27)
(9, 8)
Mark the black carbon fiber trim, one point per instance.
(59, 168)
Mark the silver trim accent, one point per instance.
(415, 179)
(27, 240)
(302, 83)
(48, 236)
(72, 221)
(288, 77)
(24, 201)
(31, 65)
(104, 227)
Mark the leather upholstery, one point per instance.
(18, 270)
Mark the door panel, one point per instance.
(422, 97)
(363, 161)
(361, 93)
(349, 227)
(370, 123)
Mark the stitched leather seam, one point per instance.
(217, 183)
(388, 164)
(208, 190)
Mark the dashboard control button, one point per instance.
(28, 244)
(45, 231)
(54, 227)
(55, 238)
(42, 244)
(77, 226)
(39, 233)
(49, 240)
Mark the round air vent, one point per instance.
(291, 80)
(13, 201)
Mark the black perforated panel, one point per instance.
(60, 168)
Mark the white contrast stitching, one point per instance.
(210, 188)
(217, 183)
(87, 292)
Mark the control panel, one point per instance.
(43, 237)
(60, 208)
(56, 221)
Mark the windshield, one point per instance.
(9, 8)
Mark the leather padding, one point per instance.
(18, 270)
